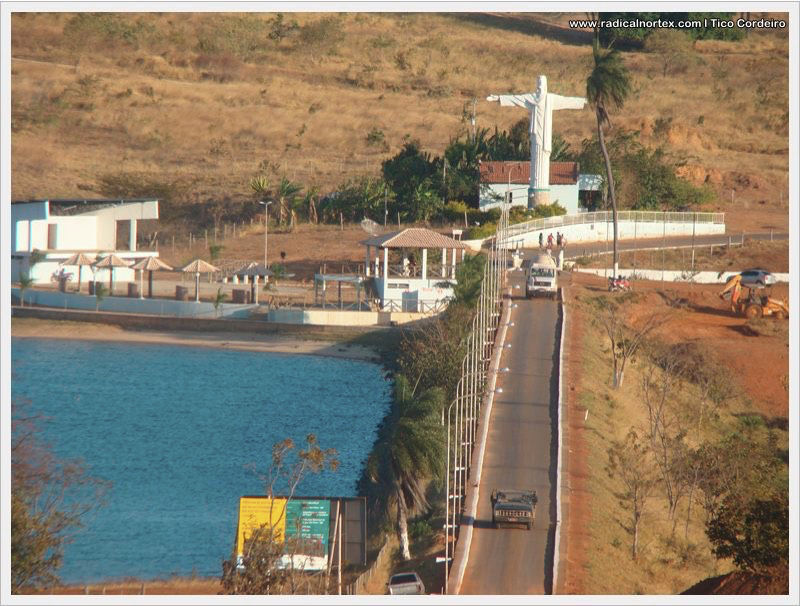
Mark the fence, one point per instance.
(357, 586)
(462, 428)
(607, 215)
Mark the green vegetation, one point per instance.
(607, 87)
(635, 36)
(410, 452)
(695, 481)
(404, 469)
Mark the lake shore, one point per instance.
(267, 343)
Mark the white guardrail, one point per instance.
(639, 216)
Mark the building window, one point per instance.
(52, 236)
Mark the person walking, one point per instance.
(563, 242)
(549, 241)
(541, 239)
(558, 239)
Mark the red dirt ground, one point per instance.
(758, 356)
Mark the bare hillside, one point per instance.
(199, 103)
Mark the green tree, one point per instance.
(674, 50)
(607, 87)
(219, 298)
(286, 193)
(405, 171)
(410, 454)
(214, 251)
(49, 501)
(755, 536)
(100, 292)
(25, 282)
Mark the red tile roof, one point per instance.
(561, 173)
(414, 237)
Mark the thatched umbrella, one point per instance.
(110, 262)
(149, 264)
(197, 267)
(80, 260)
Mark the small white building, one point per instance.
(498, 178)
(57, 229)
(404, 277)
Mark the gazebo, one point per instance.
(403, 277)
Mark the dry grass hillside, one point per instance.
(199, 103)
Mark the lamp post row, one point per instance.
(471, 385)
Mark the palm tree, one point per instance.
(607, 87)
(287, 193)
(411, 453)
(310, 200)
(25, 282)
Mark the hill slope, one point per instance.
(196, 104)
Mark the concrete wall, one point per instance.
(156, 307)
(597, 232)
(566, 196)
(701, 277)
(413, 294)
(146, 322)
(331, 317)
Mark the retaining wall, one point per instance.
(140, 321)
(602, 230)
(700, 277)
(131, 305)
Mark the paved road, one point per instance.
(520, 453)
(521, 450)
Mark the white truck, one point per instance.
(406, 583)
(542, 276)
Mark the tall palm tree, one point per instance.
(411, 453)
(607, 87)
(286, 194)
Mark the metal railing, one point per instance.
(640, 216)
(464, 412)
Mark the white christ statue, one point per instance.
(541, 106)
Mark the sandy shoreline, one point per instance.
(84, 331)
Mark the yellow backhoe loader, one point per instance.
(746, 300)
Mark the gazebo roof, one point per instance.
(414, 237)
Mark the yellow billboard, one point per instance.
(255, 512)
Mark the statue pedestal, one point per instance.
(539, 198)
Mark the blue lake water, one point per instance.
(174, 429)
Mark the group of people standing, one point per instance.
(560, 241)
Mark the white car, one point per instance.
(406, 583)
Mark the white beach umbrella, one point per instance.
(110, 262)
(197, 267)
(80, 260)
(149, 264)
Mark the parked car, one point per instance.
(757, 277)
(406, 583)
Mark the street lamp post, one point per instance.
(265, 204)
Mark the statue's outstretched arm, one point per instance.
(513, 100)
(559, 102)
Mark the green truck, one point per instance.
(514, 507)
